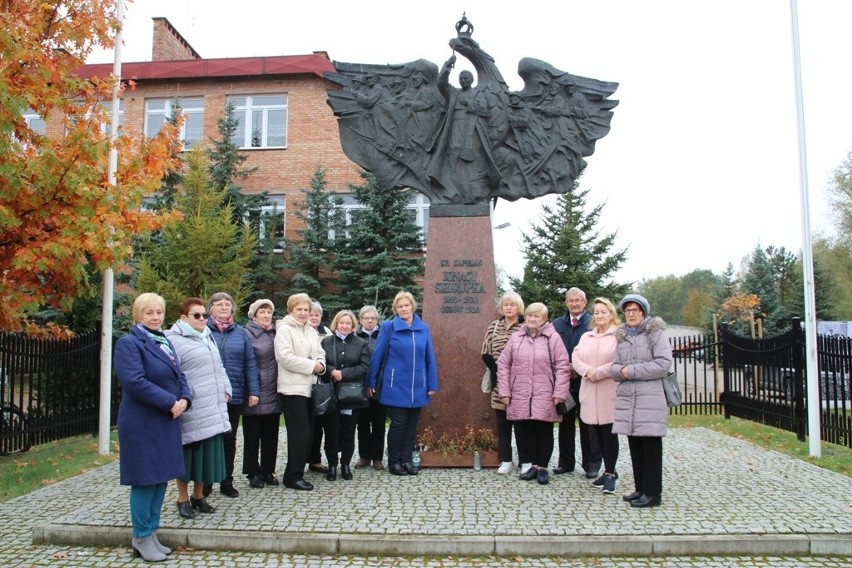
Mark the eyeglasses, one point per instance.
(199, 316)
(632, 311)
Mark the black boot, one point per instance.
(332, 473)
(227, 488)
(346, 472)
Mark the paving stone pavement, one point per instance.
(725, 503)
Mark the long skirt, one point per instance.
(205, 460)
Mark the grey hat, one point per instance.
(257, 304)
(636, 299)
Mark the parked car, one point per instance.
(779, 382)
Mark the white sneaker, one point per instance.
(525, 467)
(505, 468)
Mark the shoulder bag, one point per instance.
(672, 390)
(350, 394)
(323, 398)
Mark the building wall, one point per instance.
(312, 134)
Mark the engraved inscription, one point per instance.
(460, 289)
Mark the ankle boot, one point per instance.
(160, 546)
(145, 548)
(346, 472)
(332, 473)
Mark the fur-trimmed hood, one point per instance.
(647, 325)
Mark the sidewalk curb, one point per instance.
(442, 545)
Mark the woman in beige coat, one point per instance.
(300, 359)
(592, 359)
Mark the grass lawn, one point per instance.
(49, 463)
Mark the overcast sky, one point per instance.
(701, 163)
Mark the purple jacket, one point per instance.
(533, 375)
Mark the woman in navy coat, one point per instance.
(154, 394)
(404, 376)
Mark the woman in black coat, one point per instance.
(347, 357)
(261, 422)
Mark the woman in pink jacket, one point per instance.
(592, 359)
(532, 378)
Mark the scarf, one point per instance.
(159, 338)
(222, 325)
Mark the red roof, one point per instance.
(312, 64)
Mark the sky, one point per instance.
(702, 162)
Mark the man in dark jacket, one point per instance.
(571, 327)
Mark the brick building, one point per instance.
(283, 99)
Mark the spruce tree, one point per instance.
(203, 253)
(226, 169)
(312, 258)
(762, 279)
(567, 249)
(383, 252)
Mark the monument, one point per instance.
(463, 147)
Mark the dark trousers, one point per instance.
(535, 441)
(299, 422)
(602, 436)
(328, 425)
(347, 436)
(646, 453)
(590, 457)
(371, 431)
(402, 433)
(504, 436)
(260, 435)
(230, 439)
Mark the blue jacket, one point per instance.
(151, 450)
(240, 363)
(406, 357)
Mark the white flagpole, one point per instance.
(814, 404)
(107, 299)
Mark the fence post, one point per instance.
(726, 375)
(798, 380)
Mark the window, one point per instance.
(34, 121)
(419, 206)
(272, 222)
(157, 111)
(262, 121)
(108, 122)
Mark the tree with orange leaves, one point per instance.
(58, 213)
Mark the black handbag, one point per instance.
(352, 394)
(323, 398)
(569, 403)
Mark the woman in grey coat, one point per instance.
(202, 426)
(261, 422)
(643, 357)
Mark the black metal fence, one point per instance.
(49, 389)
(764, 380)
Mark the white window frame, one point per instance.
(190, 107)
(277, 207)
(107, 124)
(32, 118)
(245, 106)
(419, 204)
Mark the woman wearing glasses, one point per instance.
(643, 357)
(238, 357)
(202, 426)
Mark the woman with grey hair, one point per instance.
(371, 420)
(238, 356)
(315, 457)
(643, 357)
(497, 335)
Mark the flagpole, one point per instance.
(814, 403)
(105, 406)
